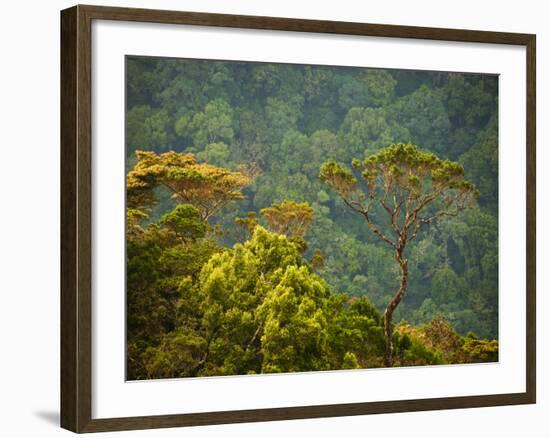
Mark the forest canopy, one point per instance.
(243, 254)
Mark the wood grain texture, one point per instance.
(300, 25)
(69, 347)
(76, 219)
(76, 186)
(531, 217)
(296, 413)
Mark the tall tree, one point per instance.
(410, 188)
(206, 187)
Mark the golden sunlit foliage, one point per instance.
(202, 185)
(289, 218)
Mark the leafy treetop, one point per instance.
(413, 186)
(204, 186)
(289, 218)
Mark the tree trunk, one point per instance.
(388, 314)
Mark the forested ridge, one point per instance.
(242, 259)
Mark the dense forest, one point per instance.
(243, 258)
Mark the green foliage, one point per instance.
(424, 115)
(250, 136)
(447, 286)
(476, 350)
(185, 221)
(365, 130)
(381, 85)
(162, 261)
(147, 128)
(215, 153)
(214, 124)
(338, 176)
(416, 353)
(294, 314)
(481, 160)
(350, 361)
(356, 329)
(437, 342)
(281, 116)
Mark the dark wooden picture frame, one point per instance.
(76, 218)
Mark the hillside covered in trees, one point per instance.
(243, 258)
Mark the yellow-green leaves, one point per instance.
(338, 177)
(416, 177)
(289, 218)
(206, 187)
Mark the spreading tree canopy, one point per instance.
(206, 187)
(397, 191)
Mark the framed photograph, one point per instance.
(271, 218)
